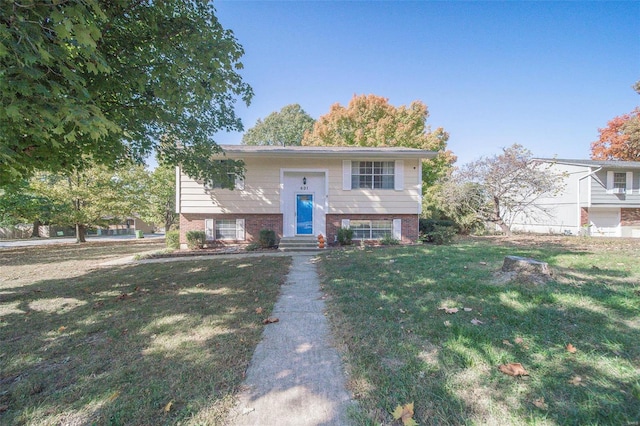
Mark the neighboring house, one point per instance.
(601, 198)
(307, 191)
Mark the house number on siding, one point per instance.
(304, 188)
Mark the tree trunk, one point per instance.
(36, 229)
(80, 233)
(498, 219)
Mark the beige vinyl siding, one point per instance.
(260, 195)
(261, 192)
(376, 201)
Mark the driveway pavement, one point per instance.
(48, 241)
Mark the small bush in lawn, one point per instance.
(345, 236)
(388, 240)
(428, 226)
(267, 238)
(442, 234)
(172, 239)
(196, 239)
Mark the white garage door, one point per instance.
(605, 222)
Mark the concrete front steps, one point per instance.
(298, 244)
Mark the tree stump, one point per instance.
(529, 269)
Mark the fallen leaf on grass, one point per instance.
(540, 403)
(514, 369)
(576, 381)
(506, 342)
(476, 322)
(447, 323)
(270, 320)
(518, 340)
(259, 310)
(448, 310)
(405, 413)
(167, 407)
(61, 329)
(571, 349)
(468, 309)
(483, 263)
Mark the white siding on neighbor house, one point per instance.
(562, 210)
(262, 190)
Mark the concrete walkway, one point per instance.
(295, 376)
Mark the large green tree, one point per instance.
(370, 120)
(160, 196)
(94, 196)
(283, 128)
(86, 82)
(20, 204)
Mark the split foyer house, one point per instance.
(308, 191)
(600, 198)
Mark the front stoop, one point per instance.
(298, 244)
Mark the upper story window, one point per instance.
(372, 174)
(227, 179)
(619, 182)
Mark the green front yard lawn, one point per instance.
(400, 346)
(145, 344)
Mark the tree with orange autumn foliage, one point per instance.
(371, 121)
(620, 140)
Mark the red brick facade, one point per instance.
(584, 216)
(253, 223)
(630, 217)
(410, 224)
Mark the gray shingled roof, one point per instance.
(610, 164)
(327, 151)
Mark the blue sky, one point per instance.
(545, 75)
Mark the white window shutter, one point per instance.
(346, 175)
(399, 175)
(240, 229)
(239, 183)
(609, 181)
(210, 229)
(397, 229)
(345, 223)
(629, 182)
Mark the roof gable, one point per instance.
(609, 164)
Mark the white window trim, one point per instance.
(398, 169)
(371, 228)
(346, 175)
(210, 230)
(611, 183)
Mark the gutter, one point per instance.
(591, 173)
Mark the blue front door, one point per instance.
(304, 214)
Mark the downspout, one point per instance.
(588, 193)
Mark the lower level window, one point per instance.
(226, 229)
(371, 229)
